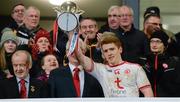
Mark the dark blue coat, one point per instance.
(9, 89)
(61, 84)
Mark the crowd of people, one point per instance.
(114, 60)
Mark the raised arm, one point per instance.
(79, 52)
(85, 61)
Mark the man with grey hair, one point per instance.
(113, 20)
(28, 30)
(22, 85)
(134, 41)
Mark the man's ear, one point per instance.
(102, 55)
(120, 50)
(29, 66)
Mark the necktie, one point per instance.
(76, 81)
(22, 89)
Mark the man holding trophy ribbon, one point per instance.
(71, 80)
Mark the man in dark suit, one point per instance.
(22, 85)
(62, 84)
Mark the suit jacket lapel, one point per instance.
(32, 89)
(70, 80)
(85, 85)
(16, 87)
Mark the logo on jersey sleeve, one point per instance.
(127, 71)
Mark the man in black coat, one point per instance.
(10, 89)
(61, 81)
(61, 84)
(22, 85)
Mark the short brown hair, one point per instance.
(17, 5)
(91, 19)
(109, 37)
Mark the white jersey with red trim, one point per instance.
(123, 80)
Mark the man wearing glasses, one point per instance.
(17, 15)
(113, 21)
(152, 23)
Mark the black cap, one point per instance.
(162, 36)
(153, 10)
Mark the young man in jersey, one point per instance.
(117, 77)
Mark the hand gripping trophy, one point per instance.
(68, 20)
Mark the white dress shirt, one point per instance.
(81, 76)
(26, 84)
